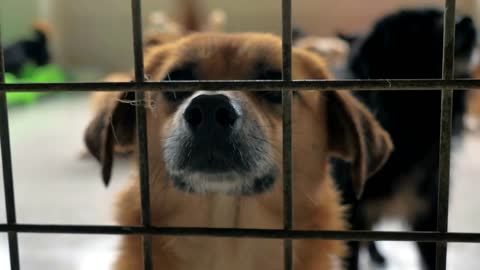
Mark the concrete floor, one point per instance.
(53, 185)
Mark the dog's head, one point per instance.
(231, 141)
(408, 45)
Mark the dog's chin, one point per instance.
(232, 183)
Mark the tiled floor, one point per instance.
(53, 185)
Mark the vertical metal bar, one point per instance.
(7, 169)
(445, 130)
(287, 129)
(142, 131)
(287, 39)
(137, 40)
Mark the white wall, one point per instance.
(97, 34)
(16, 18)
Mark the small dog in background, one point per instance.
(163, 29)
(216, 157)
(406, 45)
(34, 50)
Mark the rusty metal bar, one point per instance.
(417, 84)
(142, 131)
(245, 233)
(7, 169)
(287, 130)
(137, 40)
(445, 131)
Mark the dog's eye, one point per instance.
(271, 96)
(184, 73)
(176, 96)
(269, 74)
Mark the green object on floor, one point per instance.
(33, 74)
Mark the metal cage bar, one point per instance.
(7, 169)
(246, 233)
(287, 130)
(384, 84)
(445, 131)
(141, 117)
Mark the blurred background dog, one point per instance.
(407, 45)
(34, 49)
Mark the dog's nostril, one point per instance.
(225, 117)
(193, 116)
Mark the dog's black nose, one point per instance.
(210, 114)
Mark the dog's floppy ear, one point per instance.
(356, 136)
(113, 125)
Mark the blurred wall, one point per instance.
(16, 24)
(327, 17)
(96, 34)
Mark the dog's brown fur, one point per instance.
(164, 30)
(333, 50)
(473, 106)
(324, 124)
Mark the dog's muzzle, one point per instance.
(217, 147)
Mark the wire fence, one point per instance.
(441, 236)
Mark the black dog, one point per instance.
(33, 50)
(405, 45)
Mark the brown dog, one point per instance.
(215, 157)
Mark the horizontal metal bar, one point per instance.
(245, 233)
(243, 85)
